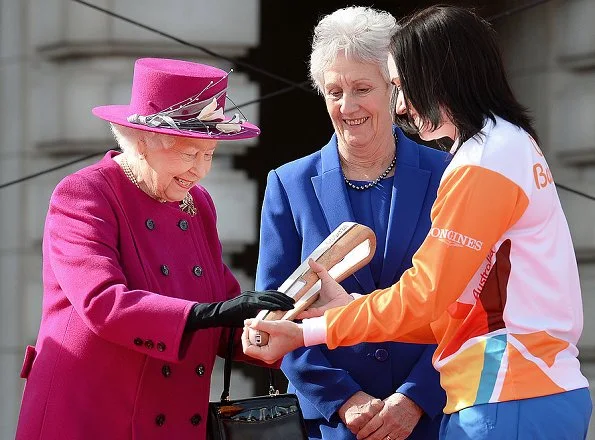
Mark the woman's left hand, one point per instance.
(284, 336)
(233, 312)
(396, 420)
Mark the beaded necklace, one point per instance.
(373, 182)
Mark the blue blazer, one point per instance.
(304, 201)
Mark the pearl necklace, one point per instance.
(374, 182)
(128, 172)
(186, 204)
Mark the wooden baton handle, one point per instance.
(333, 255)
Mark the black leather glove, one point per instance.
(231, 313)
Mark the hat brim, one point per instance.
(118, 114)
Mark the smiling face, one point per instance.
(446, 128)
(357, 99)
(170, 172)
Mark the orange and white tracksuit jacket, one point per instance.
(495, 284)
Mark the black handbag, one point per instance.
(273, 417)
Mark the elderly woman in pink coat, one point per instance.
(136, 295)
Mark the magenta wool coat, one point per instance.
(120, 274)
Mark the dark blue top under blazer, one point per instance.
(304, 201)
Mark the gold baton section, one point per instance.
(351, 246)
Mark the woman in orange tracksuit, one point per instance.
(495, 283)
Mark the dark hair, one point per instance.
(447, 58)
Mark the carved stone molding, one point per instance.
(585, 255)
(579, 62)
(579, 157)
(67, 50)
(576, 34)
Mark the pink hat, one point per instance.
(178, 98)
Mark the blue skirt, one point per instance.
(563, 416)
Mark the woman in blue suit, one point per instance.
(370, 173)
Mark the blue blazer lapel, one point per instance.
(332, 195)
(409, 192)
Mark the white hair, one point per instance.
(362, 34)
(129, 139)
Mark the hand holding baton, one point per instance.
(346, 250)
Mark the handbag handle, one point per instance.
(227, 370)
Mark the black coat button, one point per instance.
(164, 270)
(160, 346)
(195, 419)
(160, 420)
(381, 354)
(197, 270)
(138, 341)
(149, 344)
(183, 225)
(200, 370)
(166, 370)
(150, 224)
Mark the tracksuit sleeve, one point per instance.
(473, 209)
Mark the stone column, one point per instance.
(550, 56)
(13, 128)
